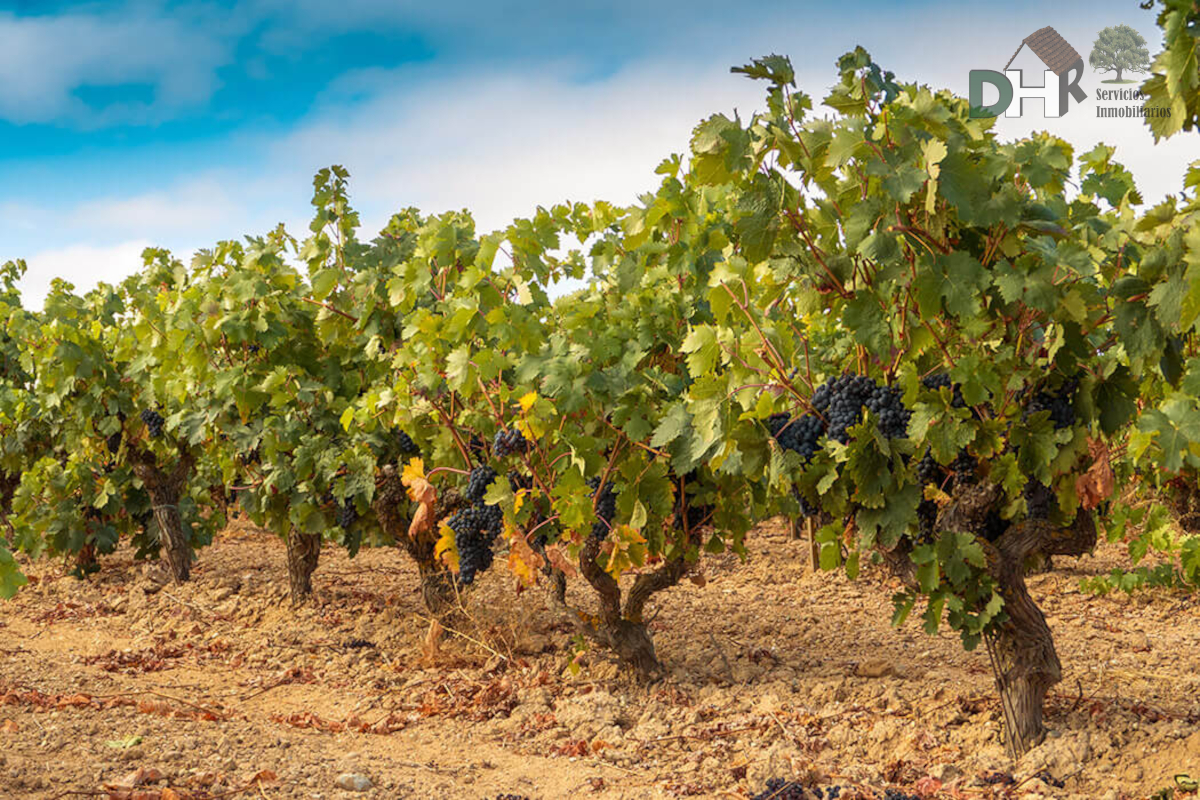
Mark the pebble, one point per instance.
(353, 782)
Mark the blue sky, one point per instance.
(124, 124)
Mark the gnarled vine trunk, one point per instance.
(165, 489)
(438, 590)
(620, 628)
(1024, 661)
(303, 551)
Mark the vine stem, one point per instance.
(453, 470)
(331, 307)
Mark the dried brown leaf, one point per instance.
(1096, 485)
(559, 560)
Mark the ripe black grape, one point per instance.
(929, 471)
(800, 435)
(935, 382)
(475, 531)
(474, 549)
(154, 422)
(477, 446)
(1060, 403)
(994, 525)
(1039, 499)
(964, 467)
(481, 478)
(927, 514)
(606, 507)
(782, 789)
(518, 481)
(841, 401)
(406, 445)
(508, 441)
(347, 515)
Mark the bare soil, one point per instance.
(125, 685)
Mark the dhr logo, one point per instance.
(1057, 89)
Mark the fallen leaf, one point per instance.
(9, 726)
(432, 639)
(141, 776)
(124, 744)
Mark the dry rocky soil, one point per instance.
(125, 686)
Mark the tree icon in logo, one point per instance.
(1120, 48)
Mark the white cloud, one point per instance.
(501, 145)
(190, 209)
(44, 60)
(82, 265)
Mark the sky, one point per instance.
(179, 124)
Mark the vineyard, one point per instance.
(859, 459)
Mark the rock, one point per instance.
(946, 772)
(586, 716)
(1060, 755)
(875, 668)
(353, 782)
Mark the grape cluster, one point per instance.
(113, 442)
(964, 467)
(782, 789)
(475, 529)
(800, 435)
(929, 471)
(154, 422)
(1060, 404)
(518, 481)
(1039, 499)
(994, 525)
(406, 445)
(477, 446)
(477, 484)
(896, 794)
(606, 507)
(347, 515)
(841, 401)
(935, 382)
(927, 514)
(508, 441)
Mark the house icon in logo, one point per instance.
(1060, 58)
(1054, 51)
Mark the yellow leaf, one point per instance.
(519, 500)
(522, 559)
(528, 400)
(525, 430)
(446, 550)
(626, 550)
(413, 470)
